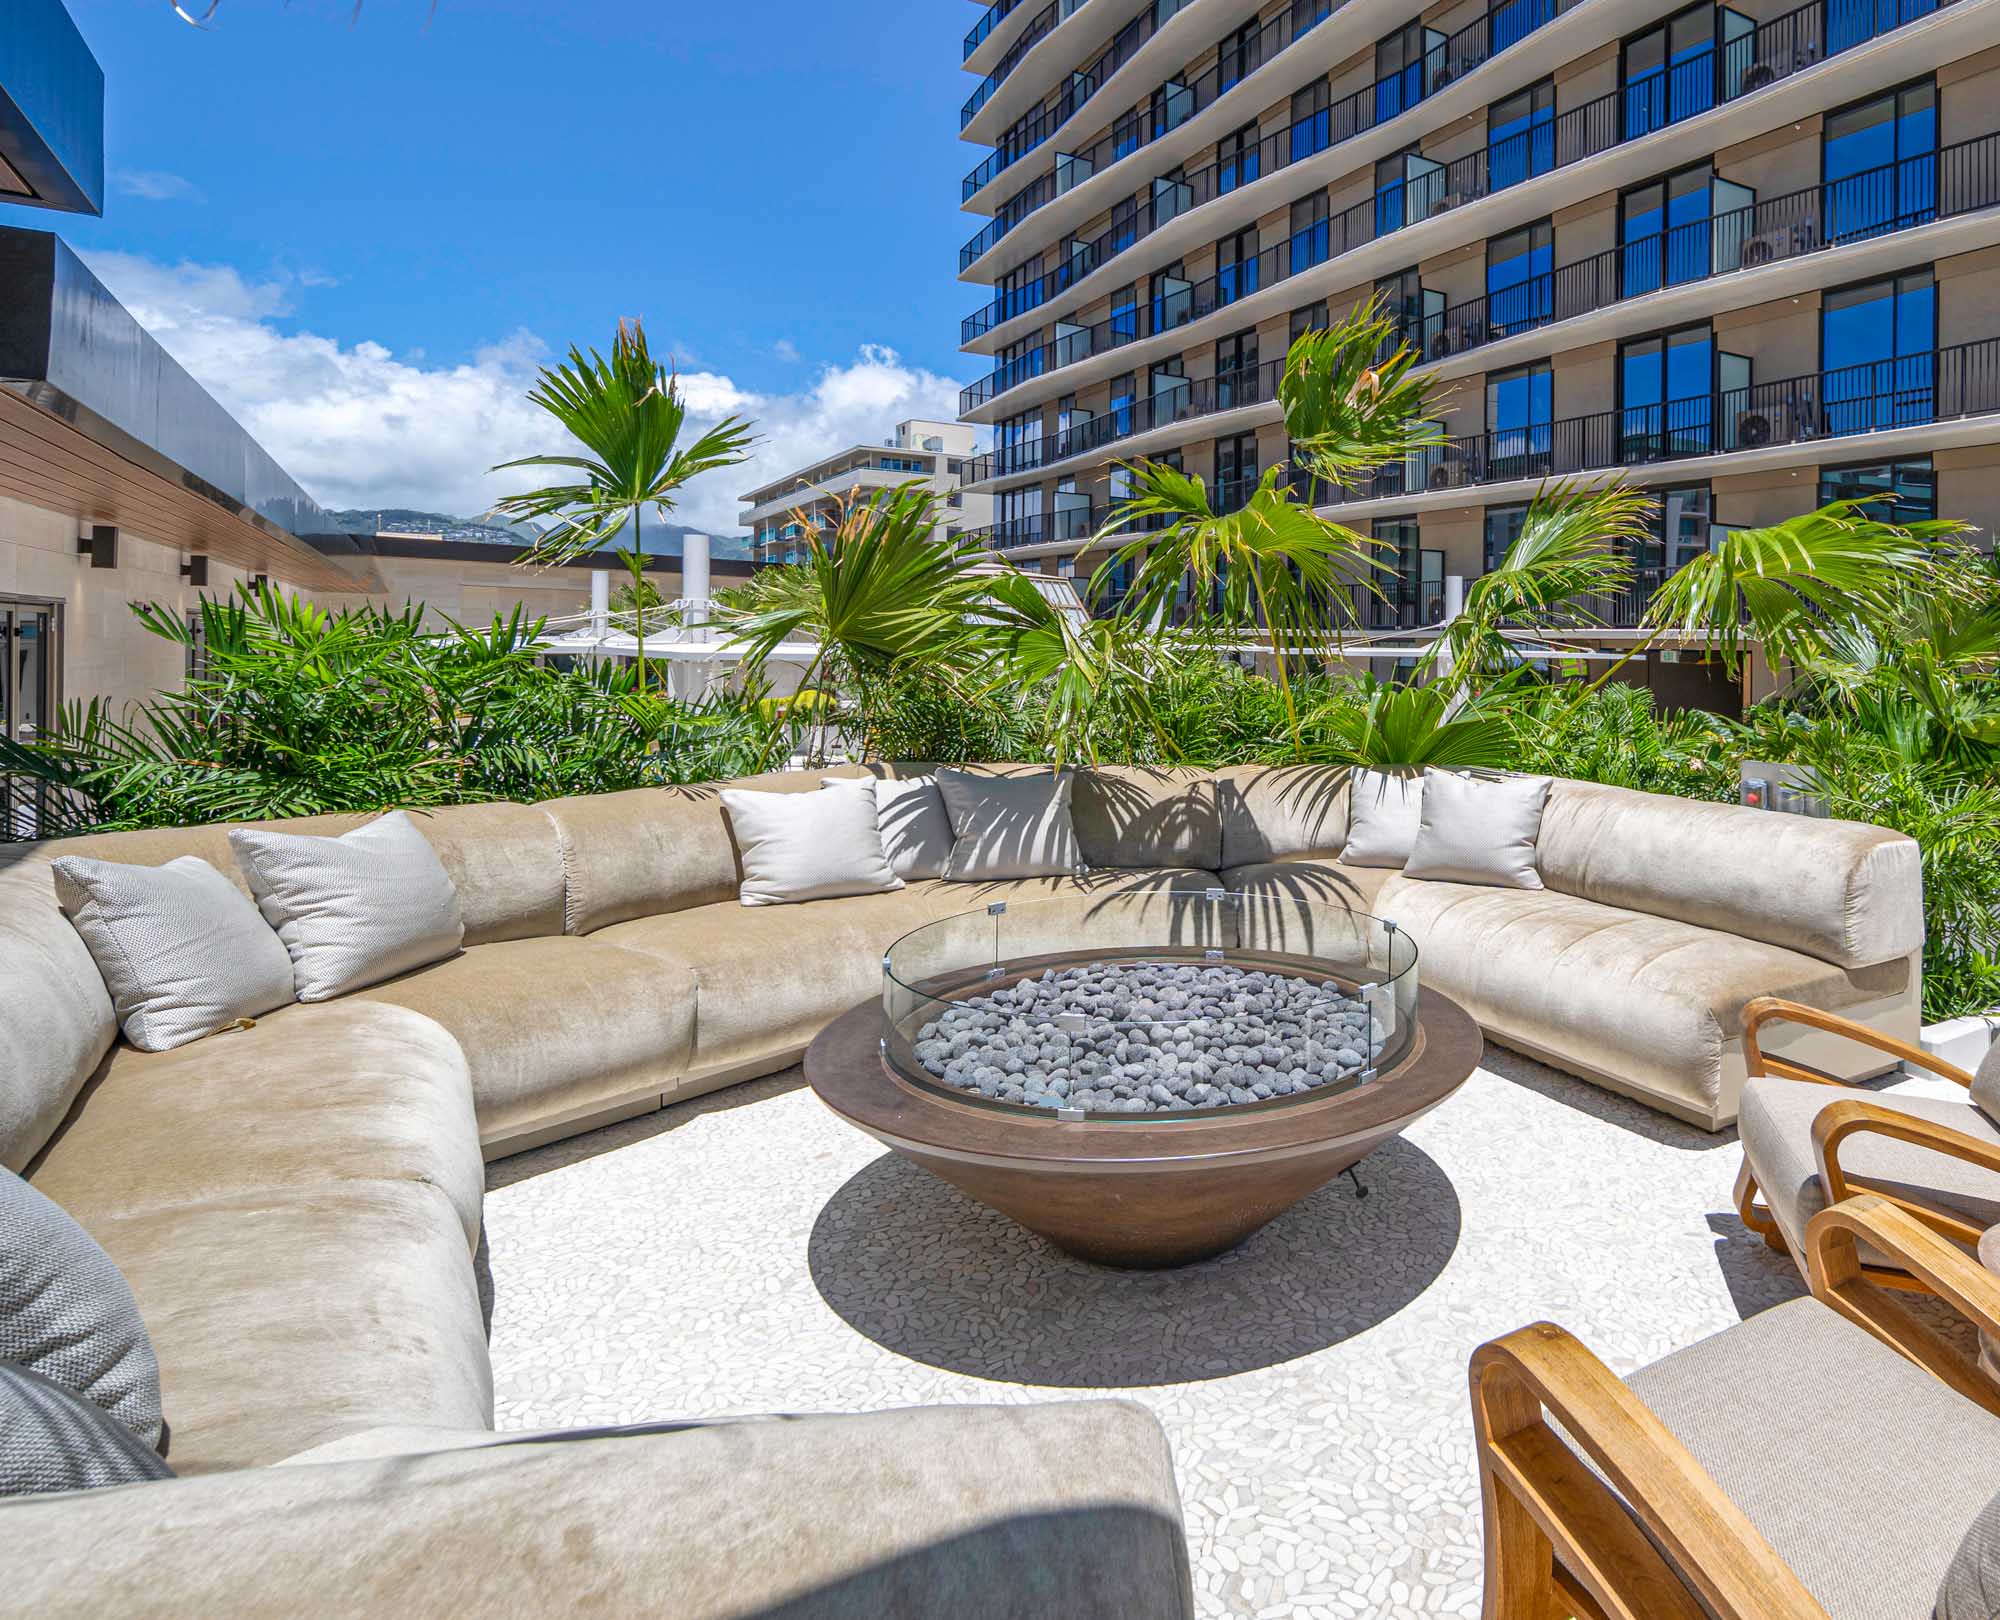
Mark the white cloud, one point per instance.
(359, 425)
(788, 351)
(154, 185)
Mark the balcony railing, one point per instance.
(1352, 115)
(1753, 61)
(1045, 22)
(1065, 523)
(1908, 391)
(989, 19)
(1960, 179)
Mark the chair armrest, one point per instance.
(1833, 1262)
(1860, 1116)
(1543, 1503)
(1065, 1508)
(1775, 1010)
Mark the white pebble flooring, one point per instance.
(750, 1252)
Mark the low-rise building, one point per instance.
(778, 513)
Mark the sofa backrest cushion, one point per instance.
(1841, 891)
(1139, 816)
(57, 1022)
(1272, 812)
(643, 852)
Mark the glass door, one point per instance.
(27, 699)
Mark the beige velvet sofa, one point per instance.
(297, 1205)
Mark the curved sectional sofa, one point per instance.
(297, 1205)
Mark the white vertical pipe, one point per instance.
(694, 583)
(600, 602)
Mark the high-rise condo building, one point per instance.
(1747, 256)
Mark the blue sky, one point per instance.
(320, 218)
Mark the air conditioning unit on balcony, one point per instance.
(1753, 430)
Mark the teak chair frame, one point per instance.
(1560, 1543)
(1856, 1116)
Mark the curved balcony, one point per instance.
(1038, 528)
(1044, 23)
(1959, 179)
(991, 18)
(1752, 62)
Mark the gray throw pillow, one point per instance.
(1971, 1586)
(1384, 809)
(808, 846)
(182, 952)
(53, 1440)
(916, 831)
(1479, 831)
(1007, 827)
(353, 910)
(1986, 1083)
(67, 1314)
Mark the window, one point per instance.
(1124, 229)
(1167, 381)
(1681, 528)
(1408, 187)
(1238, 159)
(1879, 163)
(1852, 22)
(1173, 298)
(1669, 71)
(1235, 470)
(1876, 343)
(1309, 238)
(1236, 371)
(1238, 55)
(1017, 443)
(1404, 67)
(1310, 319)
(1122, 326)
(1414, 593)
(1173, 105)
(1020, 289)
(1171, 195)
(30, 662)
(1521, 136)
(1417, 312)
(1666, 395)
(1122, 389)
(1503, 528)
(1902, 491)
(1311, 129)
(1667, 229)
(1519, 420)
(1236, 266)
(1128, 134)
(1520, 278)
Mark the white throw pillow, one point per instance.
(1383, 811)
(916, 832)
(809, 846)
(1480, 830)
(1007, 827)
(182, 952)
(356, 909)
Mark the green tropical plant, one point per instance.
(1352, 399)
(1364, 721)
(626, 413)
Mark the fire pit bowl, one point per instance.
(1144, 1078)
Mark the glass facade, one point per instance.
(1521, 135)
(1900, 491)
(1520, 289)
(1879, 163)
(1520, 412)
(1666, 389)
(1877, 363)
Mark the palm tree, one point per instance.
(1352, 404)
(627, 414)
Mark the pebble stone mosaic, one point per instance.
(749, 1252)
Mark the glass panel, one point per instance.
(1891, 492)
(1521, 136)
(1880, 163)
(1520, 284)
(1503, 528)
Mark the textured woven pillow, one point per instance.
(809, 846)
(352, 910)
(1971, 1586)
(1475, 831)
(1010, 826)
(1986, 1083)
(1384, 810)
(181, 951)
(67, 1314)
(916, 832)
(53, 1440)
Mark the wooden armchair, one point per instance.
(1938, 1160)
(1821, 1461)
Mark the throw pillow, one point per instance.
(182, 952)
(1384, 809)
(916, 832)
(1009, 826)
(52, 1440)
(67, 1314)
(809, 846)
(1986, 1083)
(1971, 1586)
(1475, 831)
(356, 909)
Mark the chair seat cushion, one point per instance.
(1643, 1000)
(284, 1319)
(1776, 1128)
(312, 1094)
(1860, 1469)
(552, 1025)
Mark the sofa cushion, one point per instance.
(356, 909)
(1826, 1479)
(182, 950)
(1014, 826)
(1384, 811)
(819, 845)
(642, 853)
(1776, 1128)
(286, 1318)
(505, 861)
(1277, 812)
(550, 1026)
(1986, 1083)
(52, 1439)
(1634, 998)
(1135, 816)
(1838, 890)
(66, 1314)
(58, 1022)
(910, 815)
(1479, 830)
(1321, 881)
(343, 1090)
